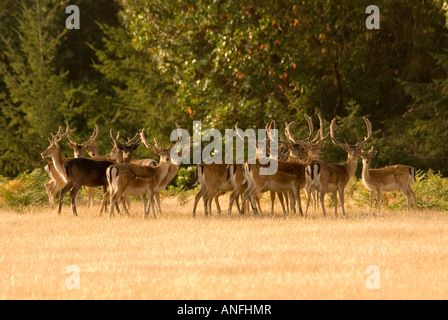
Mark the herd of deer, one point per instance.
(298, 167)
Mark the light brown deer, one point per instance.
(55, 168)
(213, 182)
(172, 171)
(216, 179)
(333, 177)
(312, 150)
(129, 179)
(393, 178)
(290, 176)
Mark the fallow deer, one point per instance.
(129, 179)
(55, 168)
(331, 177)
(84, 172)
(392, 178)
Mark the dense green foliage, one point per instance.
(139, 63)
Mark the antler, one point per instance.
(146, 143)
(116, 143)
(68, 134)
(369, 133)
(359, 144)
(268, 130)
(59, 135)
(93, 138)
(133, 140)
(333, 123)
(290, 137)
(244, 138)
(321, 130)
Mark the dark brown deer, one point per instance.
(84, 172)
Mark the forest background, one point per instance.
(147, 64)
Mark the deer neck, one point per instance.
(59, 164)
(351, 165)
(365, 171)
(163, 168)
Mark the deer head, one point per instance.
(127, 149)
(352, 149)
(54, 149)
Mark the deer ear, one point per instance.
(72, 145)
(374, 153)
(135, 146)
(120, 146)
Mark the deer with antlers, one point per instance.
(331, 177)
(307, 149)
(172, 171)
(84, 172)
(55, 168)
(290, 175)
(216, 179)
(79, 148)
(393, 178)
(311, 149)
(87, 146)
(129, 179)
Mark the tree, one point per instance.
(37, 95)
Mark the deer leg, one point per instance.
(314, 195)
(64, 190)
(123, 200)
(379, 200)
(232, 197)
(114, 197)
(408, 197)
(293, 200)
(322, 202)
(372, 196)
(209, 204)
(197, 197)
(151, 203)
(48, 189)
(217, 201)
(57, 186)
(298, 200)
(414, 198)
(128, 202)
(159, 208)
(205, 201)
(308, 198)
(246, 195)
(238, 203)
(282, 203)
(106, 195)
(90, 196)
(272, 201)
(145, 205)
(341, 198)
(73, 194)
(335, 198)
(255, 202)
(117, 207)
(103, 204)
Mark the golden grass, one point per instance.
(223, 257)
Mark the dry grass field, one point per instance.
(222, 256)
